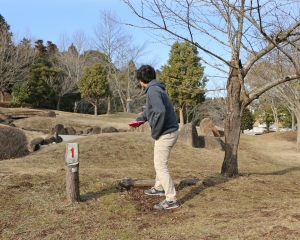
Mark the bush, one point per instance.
(15, 105)
(13, 143)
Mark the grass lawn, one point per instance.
(261, 203)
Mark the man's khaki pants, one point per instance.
(162, 150)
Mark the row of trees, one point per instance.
(75, 75)
(46, 76)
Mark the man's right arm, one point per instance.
(143, 116)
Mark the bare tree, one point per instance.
(71, 62)
(120, 55)
(14, 62)
(287, 94)
(243, 31)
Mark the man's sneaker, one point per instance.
(153, 191)
(165, 205)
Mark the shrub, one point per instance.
(15, 105)
(13, 143)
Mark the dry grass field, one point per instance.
(263, 202)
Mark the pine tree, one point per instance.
(184, 77)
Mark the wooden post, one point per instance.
(72, 172)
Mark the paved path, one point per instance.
(70, 137)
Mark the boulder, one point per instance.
(188, 135)
(206, 123)
(211, 142)
(212, 132)
(49, 139)
(96, 130)
(109, 129)
(48, 114)
(52, 139)
(88, 130)
(208, 128)
(60, 129)
(70, 131)
(35, 144)
(8, 122)
(57, 138)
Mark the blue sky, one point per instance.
(49, 19)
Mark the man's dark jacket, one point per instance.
(159, 111)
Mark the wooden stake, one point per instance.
(72, 172)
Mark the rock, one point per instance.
(109, 129)
(211, 142)
(60, 129)
(35, 144)
(221, 132)
(57, 138)
(48, 114)
(188, 135)
(96, 130)
(2, 116)
(8, 122)
(49, 139)
(213, 132)
(208, 132)
(88, 130)
(70, 131)
(208, 128)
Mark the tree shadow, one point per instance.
(206, 183)
(281, 172)
(195, 190)
(95, 195)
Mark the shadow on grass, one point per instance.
(218, 179)
(95, 195)
(281, 172)
(207, 182)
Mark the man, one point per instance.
(160, 114)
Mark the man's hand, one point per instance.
(136, 123)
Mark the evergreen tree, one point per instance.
(20, 93)
(184, 77)
(40, 94)
(247, 120)
(93, 85)
(5, 29)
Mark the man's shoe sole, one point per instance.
(155, 194)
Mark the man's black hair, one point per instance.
(146, 73)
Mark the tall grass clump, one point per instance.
(13, 143)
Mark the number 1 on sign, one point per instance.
(72, 152)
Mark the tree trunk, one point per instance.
(109, 111)
(96, 108)
(297, 113)
(181, 118)
(293, 120)
(232, 125)
(128, 106)
(75, 106)
(58, 103)
(275, 115)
